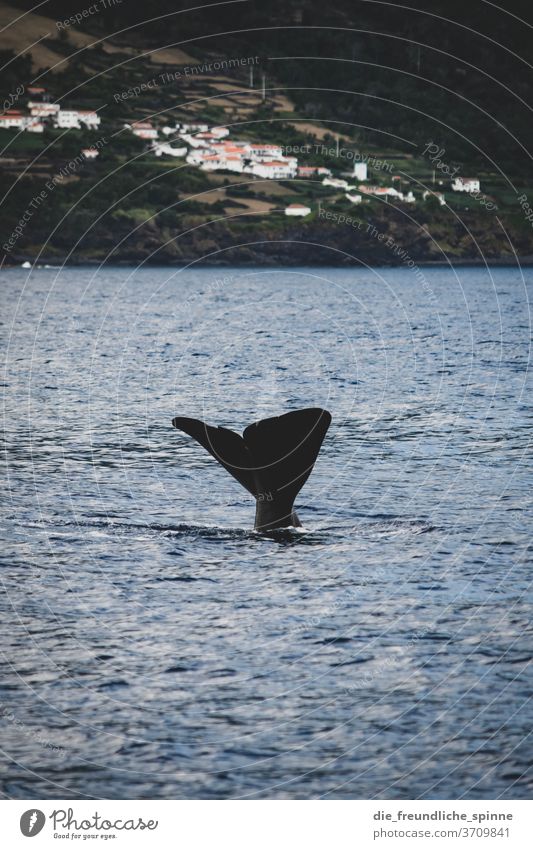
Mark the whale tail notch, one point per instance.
(272, 459)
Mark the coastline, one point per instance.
(210, 262)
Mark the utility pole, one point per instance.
(263, 88)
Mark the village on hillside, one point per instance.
(212, 149)
(41, 112)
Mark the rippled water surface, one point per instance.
(155, 646)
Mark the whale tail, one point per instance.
(272, 459)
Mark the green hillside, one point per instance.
(418, 94)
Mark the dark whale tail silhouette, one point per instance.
(272, 459)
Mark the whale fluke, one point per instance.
(272, 459)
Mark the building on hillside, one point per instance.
(220, 132)
(67, 119)
(143, 129)
(193, 128)
(277, 169)
(465, 184)
(378, 191)
(240, 148)
(90, 118)
(267, 152)
(207, 161)
(297, 209)
(360, 171)
(234, 162)
(387, 192)
(353, 198)
(335, 183)
(206, 137)
(90, 152)
(12, 119)
(219, 160)
(222, 162)
(43, 110)
(72, 119)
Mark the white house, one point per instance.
(465, 184)
(232, 162)
(380, 191)
(220, 132)
(354, 198)
(336, 183)
(277, 169)
(143, 130)
(387, 192)
(208, 162)
(73, 118)
(207, 137)
(90, 152)
(297, 209)
(90, 118)
(67, 119)
(269, 152)
(219, 161)
(193, 128)
(13, 119)
(39, 109)
(360, 171)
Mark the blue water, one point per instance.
(155, 646)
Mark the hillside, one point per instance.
(421, 96)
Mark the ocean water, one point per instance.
(154, 646)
